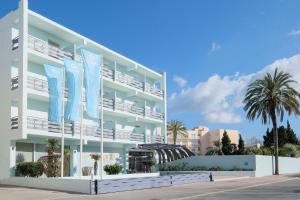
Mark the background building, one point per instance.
(200, 138)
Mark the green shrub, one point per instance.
(29, 169)
(197, 168)
(289, 150)
(113, 169)
(216, 169)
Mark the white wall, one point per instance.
(226, 162)
(71, 185)
(262, 165)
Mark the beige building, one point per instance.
(200, 138)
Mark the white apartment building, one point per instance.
(134, 97)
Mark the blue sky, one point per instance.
(210, 49)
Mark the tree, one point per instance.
(52, 146)
(218, 145)
(95, 157)
(226, 144)
(285, 136)
(241, 145)
(52, 162)
(270, 97)
(176, 128)
(291, 136)
(268, 138)
(212, 151)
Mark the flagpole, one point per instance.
(63, 127)
(101, 113)
(81, 122)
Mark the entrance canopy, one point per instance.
(164, 152)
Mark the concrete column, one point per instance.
(125, 148)
(74, 160)
(12, 159)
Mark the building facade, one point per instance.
(200, 138)
(134, 97)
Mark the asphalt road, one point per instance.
(274, 187)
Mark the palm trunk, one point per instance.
(175, 137)
(275, 138)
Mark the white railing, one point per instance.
(14, 82)
(156, 115)
(42, 86)
(152, 90)
(14, 123)
(43, 124)
(137, 137)
(43, 47)
(157, 139)
(56, 52)
(130, 108)
(47, 49)
(131, 81)
(122, 134)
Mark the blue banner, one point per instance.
(73, 75)
(91, 62)
(55, 87)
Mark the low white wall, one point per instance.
(69, 184)
(118, 176)
(265, 165)
(226, 162)
(59, 184)
(261, 165)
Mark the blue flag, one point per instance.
(73, 74)
(55, 87)
(91, 62)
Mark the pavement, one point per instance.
(246, 188)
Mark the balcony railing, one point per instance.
(131, 81)
(14, 123)
(58, 53)
(43, 124)
(44, 48)
(42, 86)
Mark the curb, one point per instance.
(231, 179)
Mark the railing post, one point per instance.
(96, 186)
(211, 177)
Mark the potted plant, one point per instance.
(95, 157)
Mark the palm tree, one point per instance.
(175, 128)
(270, 97)
(52, 146)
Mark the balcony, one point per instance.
(43, 47)
(42, 86)
(132, 82)
(73, 129)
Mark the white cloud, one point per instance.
(222, 117)
(181, 82)
(218, 99)
(214, 47)
(295, 32)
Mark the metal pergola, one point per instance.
(165, 152)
